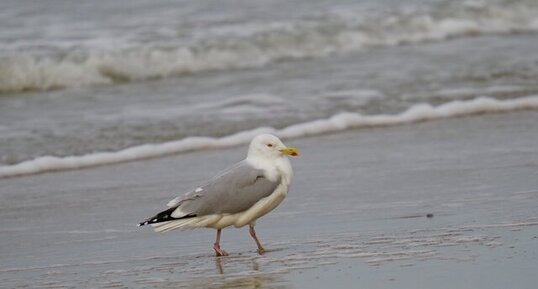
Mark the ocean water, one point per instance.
(99, 82)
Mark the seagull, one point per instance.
(237, 196)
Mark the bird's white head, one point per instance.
(268, 146)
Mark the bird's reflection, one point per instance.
(218, 262)
(228, 268)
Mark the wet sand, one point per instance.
(356, 216)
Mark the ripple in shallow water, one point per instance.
(250, 270)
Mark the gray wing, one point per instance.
(234, 191)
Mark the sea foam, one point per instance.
(339, 122)
(334, 33)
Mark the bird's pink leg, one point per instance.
(261, 250)
(216, 246)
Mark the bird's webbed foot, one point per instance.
(218, 251)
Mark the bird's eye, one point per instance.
(270, 145)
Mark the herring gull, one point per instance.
(238, 196)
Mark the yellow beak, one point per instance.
(290, 151)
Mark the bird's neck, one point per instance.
(274, 168)
(283, 165)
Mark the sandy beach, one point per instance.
(438, 204)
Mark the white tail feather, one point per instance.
(190, 223)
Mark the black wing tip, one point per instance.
(164, 216)
(142, 224)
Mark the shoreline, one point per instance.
(355, 215)
(337, 123)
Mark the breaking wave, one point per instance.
(339, 122)
(330, 33)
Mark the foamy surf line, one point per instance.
(338, 122)
(334, 33)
